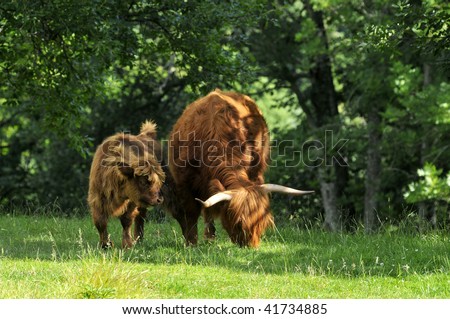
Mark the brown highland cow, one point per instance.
(218, 153)
(126, 178)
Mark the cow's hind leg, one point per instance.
(127, 220)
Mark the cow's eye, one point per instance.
(143, 182)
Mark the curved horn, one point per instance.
(274, 188)
(216, 198)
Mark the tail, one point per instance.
(149, 128)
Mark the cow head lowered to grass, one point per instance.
(218, 153)
(126, 178)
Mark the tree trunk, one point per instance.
(319, 102)
(427, 210)
(427, 214)
(332, 220)
(333, 177)
(373, 171)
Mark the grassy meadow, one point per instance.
(55, 257)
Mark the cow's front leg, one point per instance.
(139, 224)
(210, 228)
(100, 219)
(127, 220)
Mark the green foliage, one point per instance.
(432, 185)
(57, 57)
(389, 59)
(72, 74)
(53, 57)
(425, 28)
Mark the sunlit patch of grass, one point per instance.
(48, 257)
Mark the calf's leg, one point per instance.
(127, 220)
(100, 219)
(139, 223)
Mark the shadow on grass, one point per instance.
(285, 250)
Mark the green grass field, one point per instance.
(49, 257)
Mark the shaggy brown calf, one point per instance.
(126, 178)
(218, 153)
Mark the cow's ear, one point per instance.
(126, 170)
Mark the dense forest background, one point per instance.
(356, 95)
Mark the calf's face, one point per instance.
(143, 190)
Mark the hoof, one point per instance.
(107, 245)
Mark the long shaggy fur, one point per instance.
(126, 177)
(248, 216)
(148, 128)
(221, 142)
